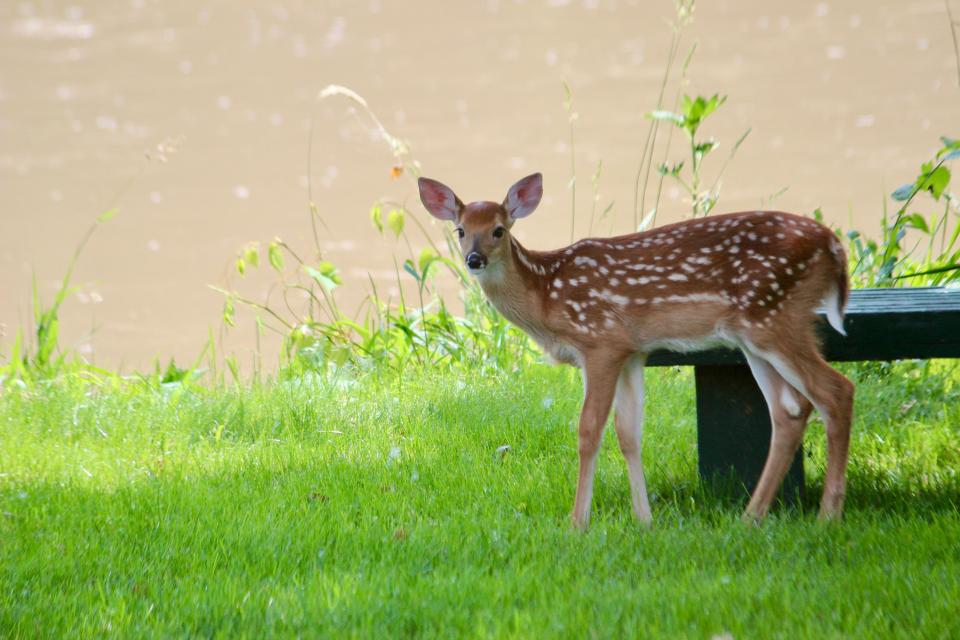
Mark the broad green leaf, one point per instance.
(241, 266)
(916, 221)
(936, 181)
(395, 220)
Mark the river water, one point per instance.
(843, 99)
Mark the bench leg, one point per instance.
(733, 430)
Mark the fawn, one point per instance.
(750, 280)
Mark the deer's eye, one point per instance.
(459, 232)
(498, 232)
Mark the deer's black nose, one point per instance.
(476, 260)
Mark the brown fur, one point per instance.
(750, 279)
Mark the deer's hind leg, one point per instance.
(628, 419)
(789, 411)
(800, 364)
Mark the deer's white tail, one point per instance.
(834, 306)
(836, 299)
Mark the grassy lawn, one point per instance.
(381, 507)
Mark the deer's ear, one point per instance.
(439, 200)
(524, 196)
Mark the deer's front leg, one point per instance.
(600, 373)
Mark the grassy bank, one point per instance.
(381, 506)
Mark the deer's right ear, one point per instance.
(439, 200)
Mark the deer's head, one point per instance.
(483, 227)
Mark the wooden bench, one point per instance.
(733, 423)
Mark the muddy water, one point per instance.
(844, 100)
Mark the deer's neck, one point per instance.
(515, 286)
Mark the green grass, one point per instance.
(380, 507)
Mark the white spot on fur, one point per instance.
(677, 277)
(697, 297)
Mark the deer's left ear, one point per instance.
(524, 196)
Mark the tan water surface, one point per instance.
(845, 99)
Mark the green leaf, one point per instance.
(275, 256)
(705, 147)
(395, 220)
(325, 274)
(427, 257)
(936, 181)
(952, 155)
(376, 217)
(675, 118)
(412, 270)
(241, 266)
(916, 221)
(904, 192)
(666, 170)
(106, 215)
(696, 110)
(251, 253)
